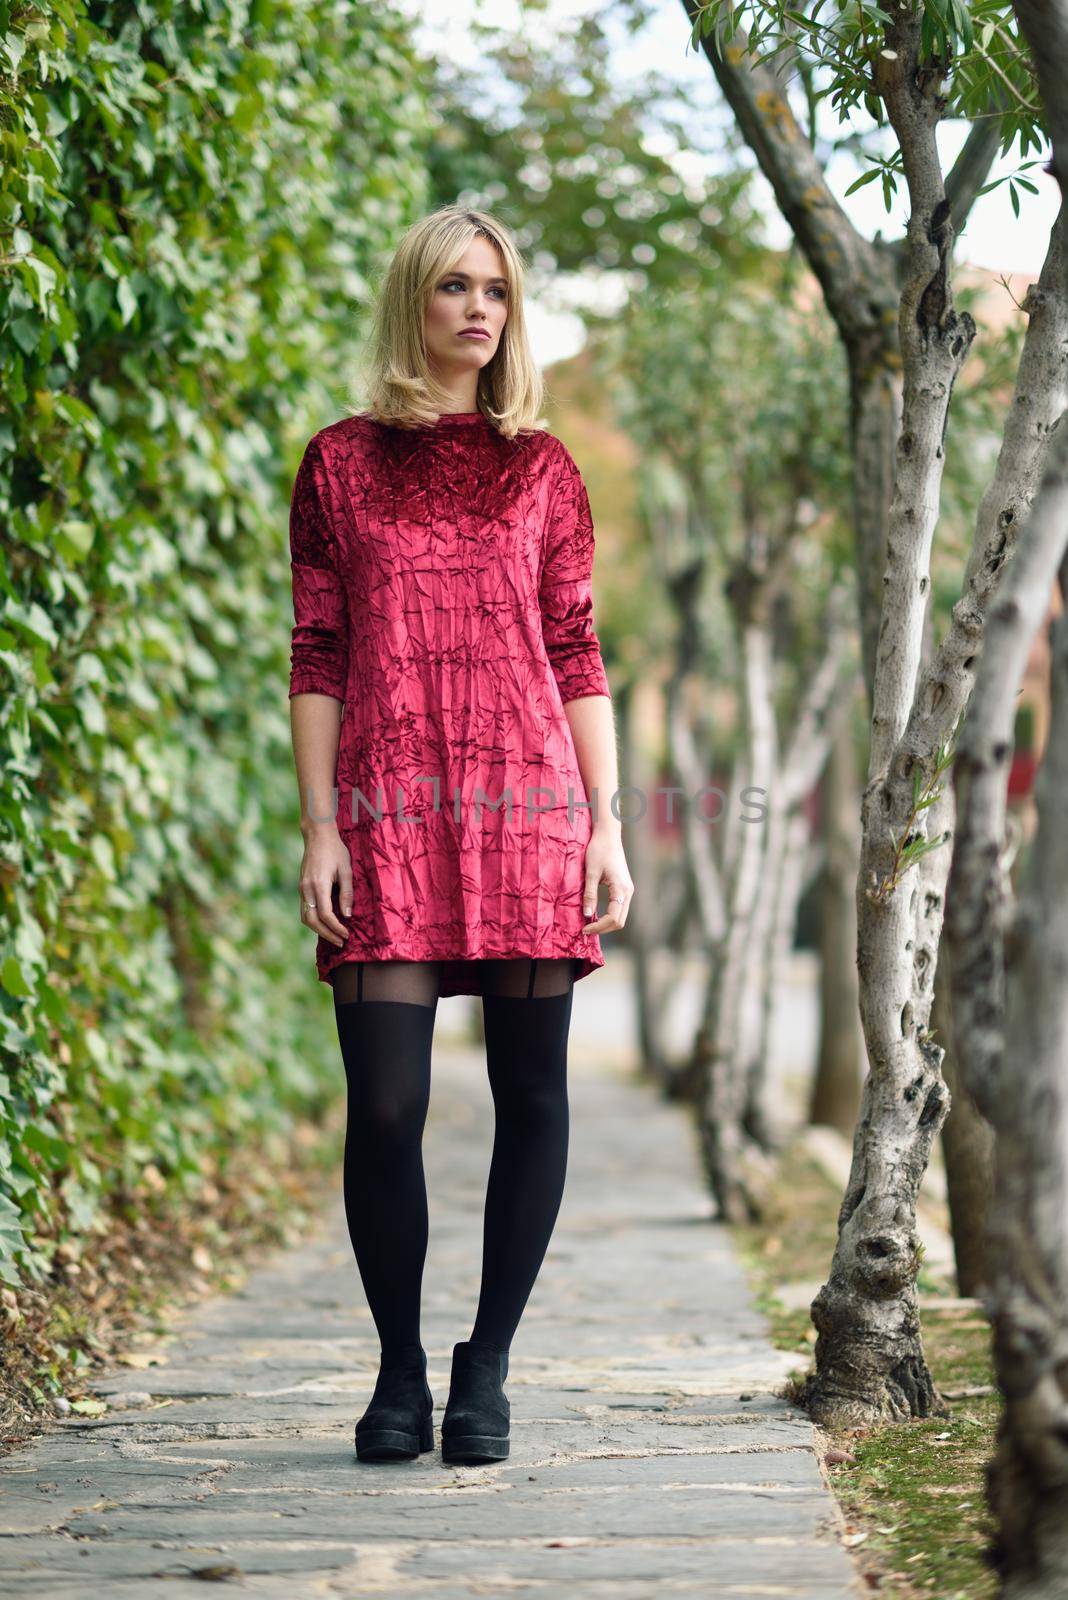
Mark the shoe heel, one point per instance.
(387, 1444)
(394, 1444)
(472, 1448)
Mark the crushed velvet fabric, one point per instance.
(442, 591)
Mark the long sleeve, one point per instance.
(319, 654)
(565, 595)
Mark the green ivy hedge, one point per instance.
(192, 200)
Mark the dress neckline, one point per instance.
(446, 422)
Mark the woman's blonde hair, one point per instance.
(400, 386)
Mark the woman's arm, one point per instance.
(565, 597)
(317, 687)
(315, 721)
(594, 732)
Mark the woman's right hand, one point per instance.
(326, 861)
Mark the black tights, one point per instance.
(385, 1014)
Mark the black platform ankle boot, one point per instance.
(477, 1414)
(399, 1422)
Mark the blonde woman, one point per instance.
(456, 756)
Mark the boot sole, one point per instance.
(475, 1447)
(393, 1444)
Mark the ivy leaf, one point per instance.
(13, 978)
(74, 539)
(33, 620)
(40, 277)
(127, 301)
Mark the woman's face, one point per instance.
(469, 301)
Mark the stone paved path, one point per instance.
(649, 1452)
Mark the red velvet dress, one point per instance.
(441, 591)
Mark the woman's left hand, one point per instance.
(606, 863)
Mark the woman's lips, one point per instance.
(473, 333)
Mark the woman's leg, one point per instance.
(527, 1011)
(385, 1013)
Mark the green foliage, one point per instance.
(733, 395)
(192, 199)
(585, 168)
(833, 48)
(910, 846)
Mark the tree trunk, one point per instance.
(731, 1051)
(643, 920)
(875, 419)
(756, 974)
(870, 1364)
(650, 923)
(907, 821)
(736, 1168)
(698, 835)
(816, 725)
(840, 1066)
(1010, 990)
(1010, 973)
(1028, 1477)
(967, 1148)
(759, 1119)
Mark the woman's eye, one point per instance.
(455, 283)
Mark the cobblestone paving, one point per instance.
(649, 1451)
